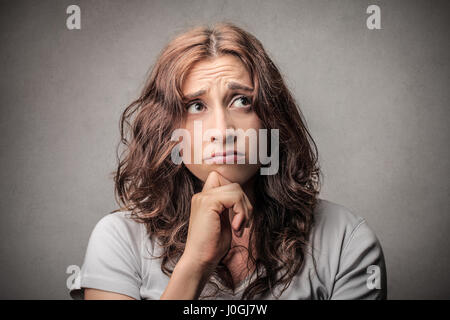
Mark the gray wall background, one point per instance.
(376, 102)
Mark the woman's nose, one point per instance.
(221, 122)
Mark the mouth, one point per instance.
(228, 157)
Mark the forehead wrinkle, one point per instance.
(218, 75)
(229, 83)
(214, 72)
(211, 73)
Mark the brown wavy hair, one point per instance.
(158, 192)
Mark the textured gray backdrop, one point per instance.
(376, 102)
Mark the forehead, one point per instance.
(221, 69)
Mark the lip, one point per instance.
(226, 157)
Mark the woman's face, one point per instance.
(218, 94)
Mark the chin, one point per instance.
(239, 173)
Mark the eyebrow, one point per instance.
(231, 85)
(237, 86)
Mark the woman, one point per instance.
(213, 229)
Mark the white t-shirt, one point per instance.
(349, 261)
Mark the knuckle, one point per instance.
(196, 198)
(213, 174)
(236, 185)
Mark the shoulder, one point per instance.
(336, 227)
(347, 250)
(118, 219)
(333, 220)
(119, 223)
(112, 261)
(118, 232)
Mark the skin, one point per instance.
(220, 108)
(221, 213)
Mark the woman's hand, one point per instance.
(221, 206)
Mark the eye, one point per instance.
(195, 107)
(242, 102)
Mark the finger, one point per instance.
(240, 214)
(232, 187)
(235, 188)
(239, 219)
(222, 180)
(212, 181)
(249, 211)
(231, 199)
(243, 221)
(248, 205)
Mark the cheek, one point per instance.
(251, 121)
(189, 127)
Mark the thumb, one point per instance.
(222, 180)
(212, 181)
